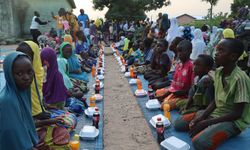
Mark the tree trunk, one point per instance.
(211, 11)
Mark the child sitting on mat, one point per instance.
(228, 115)
(202, 91)
(183, 77)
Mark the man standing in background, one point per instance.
(83, 19)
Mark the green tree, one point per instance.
(237, 4)
(128, 9)
(212, 4)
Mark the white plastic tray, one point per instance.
(127, 74)
(132, 81)
(173, 143)
(140, 93)
(90, 111)
(153, 104)
(88, 133)
(165, 120)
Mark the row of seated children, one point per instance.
(213, 108)
(37, 84)
(215, 111)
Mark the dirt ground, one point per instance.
(124, 125)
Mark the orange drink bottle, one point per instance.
(92, 101)
(75, 143)
(139, 84)
(166, 109)
(131, 70)
(93, 71)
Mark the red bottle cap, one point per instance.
(159, 119)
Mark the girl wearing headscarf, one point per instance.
(63, 67)
(17, 126)
(210, 49)
(54, 90)
(31, 49)
(228, 33)
(192, 30)
(187, 34)
(75, 70)
(165, 23)
(68, 38)
(214, 31)
(198, 45)
(181, 29)
(173, 31)
(76, 87)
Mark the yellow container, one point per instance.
(166, 109)
(75, 143)
(92, 101)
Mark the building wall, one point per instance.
(185, 20)
(6, 18)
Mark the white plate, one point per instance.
(90, 111)
(141, 93)
(102, 72)
(123, 69)
(127, 74)
(120, 63)
(89, 133)
(174, 143)
(100, 77)
(101, 85)
(153, 104)
(132, 81)
(165, 120)
(98, 97)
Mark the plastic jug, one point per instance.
(166, 109)
(131, 72)
(139, 84)
(93, 71)
(92, 101)
(75, 143)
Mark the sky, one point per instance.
(195, 8)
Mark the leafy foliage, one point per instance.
(215, 21)
(129, 9)
(212, 3)
(237, 4)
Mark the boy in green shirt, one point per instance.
(229, 114)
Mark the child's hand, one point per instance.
(194, 122)
(178, 93)
(198, 128)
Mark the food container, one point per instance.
(127, 74)
(173, 143)
(153, 104)
(90, 111)
(88, 133)
(132, 81)
(123, 69)
(165, 120)
(98, 97)
(141, 93)
(100, 77)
